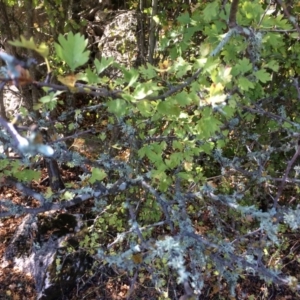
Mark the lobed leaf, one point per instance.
(72, 50)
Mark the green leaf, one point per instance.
(222, 74)
(145, 89)
(262, 76)
(117, 106)
(42, 49)
(141, 92)
(67, 195)
(3, 163)
(72, 50)
(145, 108)
(154, 157)
(245, 84)
(208, 125)
(168, 108)
(210, 11)
(174, 160)
(273, 65)
(27, 175)
(208, 64)
(148, 71)
(282, 22)
(252, 10)
(50, 100)
(183, 98)
(181, 67)
(243, 66)
(207, 147)
(130, 76)
(184, 18)
(97, 175)
(103, 64)
(275, 40)
(91, 77)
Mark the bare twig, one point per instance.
(135, 225)
(73, 136)
(286, 174)
(264, 14)
(132, 283)
(296, 84)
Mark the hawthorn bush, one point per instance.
(193, 165)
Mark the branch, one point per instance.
(79, 88)
(121, 236)
(135, 226)
(175, 89)
(17, 138)
(73, 136)
(259, 268)
(232, 15)
(132, 284)
(296, 84)
(264, 14)
(286, 174)
(24, 145)
(161, 201)
(26, 190)
(261, 111)
(100, 191)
